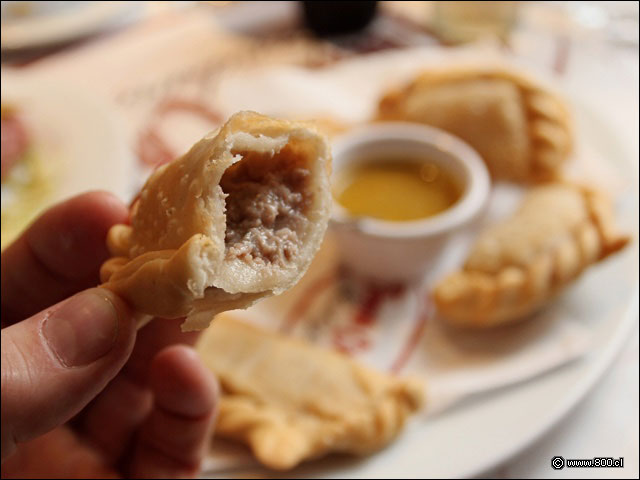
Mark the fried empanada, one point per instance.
(520, 129)
(291, 401)
(237, 218)
(517, 266)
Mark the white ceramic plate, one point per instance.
(39, 24)
(487, 429)
(77, 138)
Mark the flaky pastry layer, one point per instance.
(237, 218)
(291, 401)
(518, 265)
(521, 129)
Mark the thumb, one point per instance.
(57, 361)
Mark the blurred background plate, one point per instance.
(39, 24)
(488, 429)
(77, 141)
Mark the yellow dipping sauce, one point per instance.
(395, 189)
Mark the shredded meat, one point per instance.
(265, 215)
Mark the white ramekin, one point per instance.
(404, 251)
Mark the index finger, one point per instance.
(58, 255)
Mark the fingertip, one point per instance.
(126, 319)
(153, 338)
(181, 382)
(113, 209)
(59, 254)
(100, 208)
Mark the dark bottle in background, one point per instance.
(335, 18)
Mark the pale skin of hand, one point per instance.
(76, 404)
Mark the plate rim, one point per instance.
(591, 371)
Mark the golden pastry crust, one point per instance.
(291, 401)
(237, 218)
(517, 266)
(520, 128)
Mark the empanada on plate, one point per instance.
(291, 401)
(520, 128)
(517, 266)
(237, 218)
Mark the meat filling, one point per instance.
(266, 206)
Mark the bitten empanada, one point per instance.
(291, 401)
(517, 266)
(237, 218)
(520, 129)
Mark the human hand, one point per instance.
(79, 399)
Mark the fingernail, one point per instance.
(83, 329)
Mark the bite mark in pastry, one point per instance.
(517, 266)
(291, 401)
(237, 218)
(520, 128)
